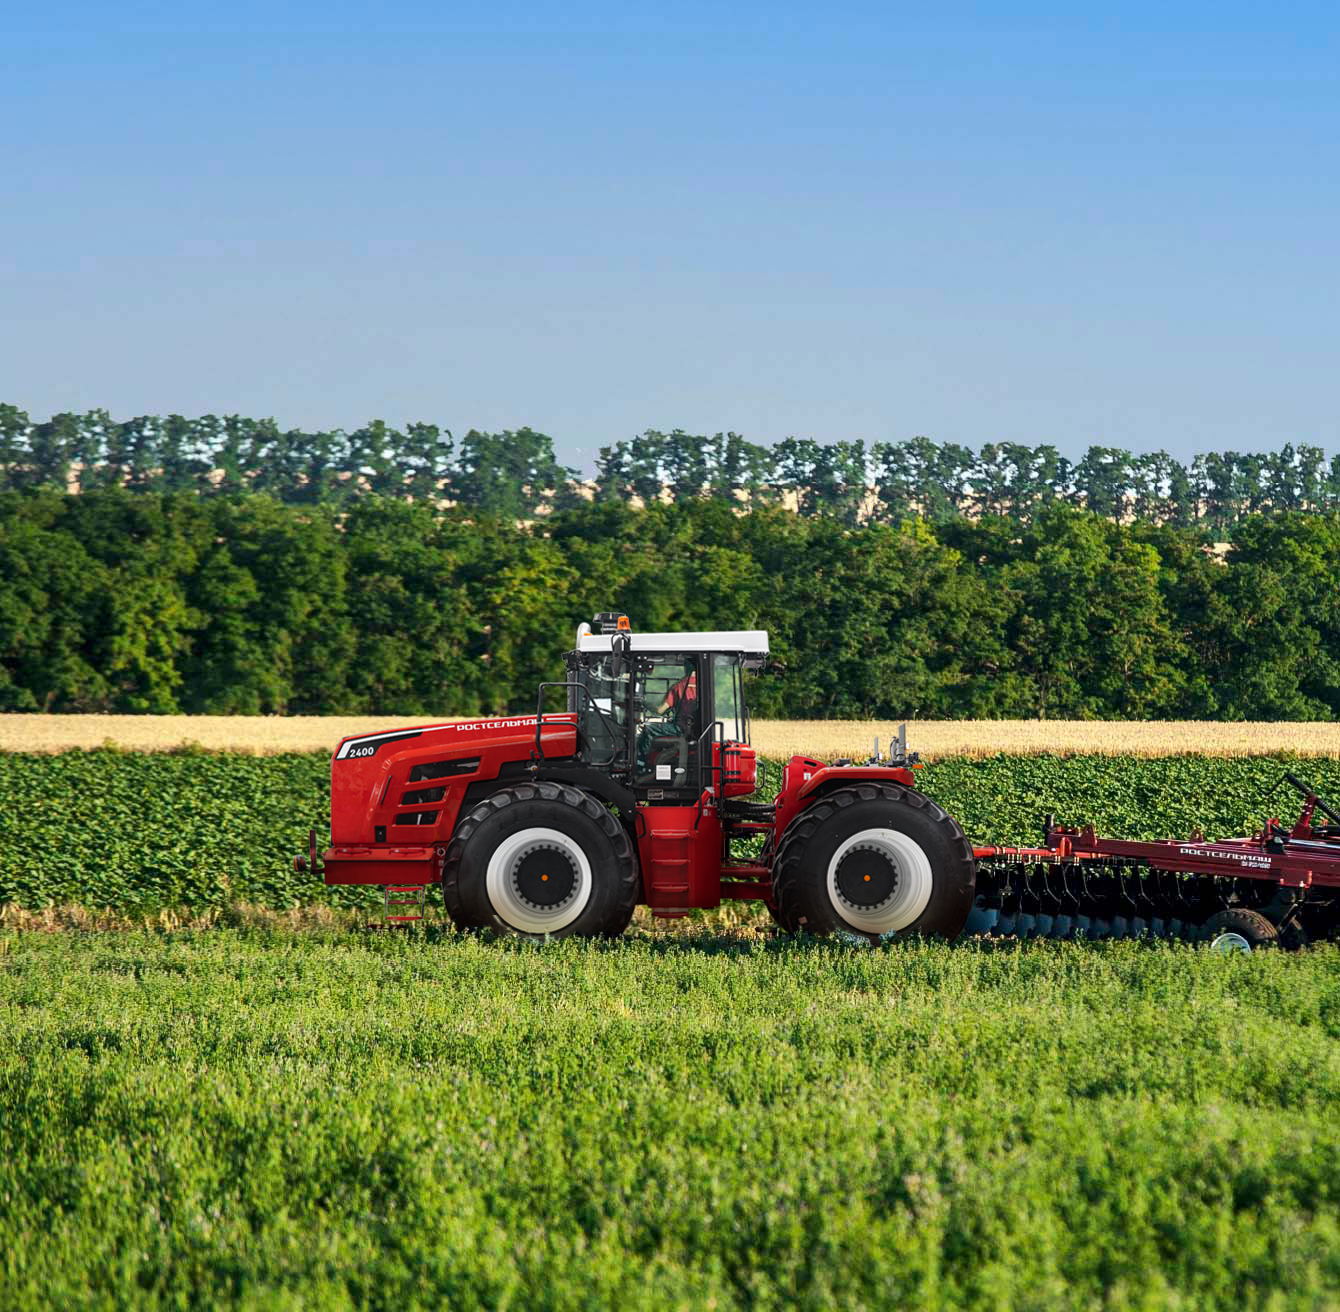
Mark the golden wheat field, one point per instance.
(826, 739)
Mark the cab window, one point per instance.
(610, 695)
(726, 697)
(668, 722)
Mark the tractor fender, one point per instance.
(799, 792)
(596, 782)
(573, 772)
(840, 775)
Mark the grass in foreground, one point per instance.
(399, 1120)
(827, 739)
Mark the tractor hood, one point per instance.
(370, 774)
(363, 746)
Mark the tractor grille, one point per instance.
(441, 769)
(422, 796)
(416, 818)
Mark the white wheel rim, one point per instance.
(510, 903)
(912, 885)
(1229, 941)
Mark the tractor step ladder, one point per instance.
(400, 898)
(668, 888)
(670, 861)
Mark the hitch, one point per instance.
(311, 861)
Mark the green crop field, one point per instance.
(396, 1120)
(139, 831)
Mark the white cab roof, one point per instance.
(751, 642)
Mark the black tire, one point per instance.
(1224, 928)
(750, 812)
(812, 848)
(592, 863)
(787, 924)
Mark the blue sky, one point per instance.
(977, 223)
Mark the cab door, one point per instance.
(668, 702)
(734, 762)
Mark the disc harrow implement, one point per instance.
(1281, 885)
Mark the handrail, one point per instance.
(710, 730)
(538, 753)
(712, 766)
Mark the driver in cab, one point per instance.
(681, 700)
(665, 746)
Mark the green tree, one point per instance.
(1277, 629)
(427, 461)
(511, 474)
(14, 450)
(1215, 480)
(829, 480)
(415, 598)
(1089, 629)
(1103, 481)
(51, 450)
(739, 468)
(50, 592)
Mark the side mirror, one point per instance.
(620, 646)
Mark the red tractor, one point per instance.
(637, 792)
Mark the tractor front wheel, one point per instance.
(874, 860)
(539, 860)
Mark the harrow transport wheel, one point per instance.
(541, 859)
(874, 860)
(1239, 930)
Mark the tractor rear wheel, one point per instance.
(538, 860)
(787, 924)
(874, 860)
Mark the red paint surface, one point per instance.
(367, 792)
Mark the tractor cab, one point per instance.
(664, 712)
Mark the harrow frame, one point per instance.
(1079, 882)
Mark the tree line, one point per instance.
(117, 600)
(516, 473)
